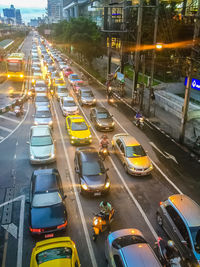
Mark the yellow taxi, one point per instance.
(58, 82)
(78, 130)
(55, 252)
(131, 154)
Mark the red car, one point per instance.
(77, 85)
(67, 72)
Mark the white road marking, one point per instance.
(5, 250)
(126, 186)
(15, 156)
(165, 154)
(11, 228)
(1, 137)
(17, 126)
(89, 244)
(5, 129)
(21, 226)
(9, 119)
(17, 143)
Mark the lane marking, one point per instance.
(11, 228)
(9, 119)
(165, 154)
(17, 126)
(15, 156)
(5, 129)
(5, 249)
(85, 229)
(126, 186)
(1, 137)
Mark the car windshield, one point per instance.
(68, 70)
(74, 77)
(92, 168)
(69, 103)
(41, 140)
(102, 115)
(41, 99)
(135, 152)
(62, 90)
(59, 81)
(127, 240)
(79, 126)
(43, 114)
(40, 84)
(53, 254)
(46, 199)
(195, 232)
(87, 94)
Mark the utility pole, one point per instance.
(138, 43)
(189, 78)
(153, 57)
(142, 88)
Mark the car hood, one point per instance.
(95, 180)
(42, 151)
(141, 162)
(48, 216)
(62, 94)
(140, 254)
(43, 120)
(81, 134)
(88, 99)
(107, 121)
(70, 108)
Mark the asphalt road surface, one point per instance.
(135, 199)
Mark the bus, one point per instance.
(15, 65)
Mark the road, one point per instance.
(135, 199)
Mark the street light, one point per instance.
(159, 46)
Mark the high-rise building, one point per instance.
(12, 14)
(55, 10)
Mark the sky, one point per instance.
(29, 8)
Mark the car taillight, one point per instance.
(160, 203)
(62, 225)
(35, 230)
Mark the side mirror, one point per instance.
(28, 142)
(184, 242)
(65, 196)
(77, 170)
(106, 169)
(28, 202)
(33, 115)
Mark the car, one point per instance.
(61, 91)
(68, 106)
(55, 75)
(62, 65)
(128, 248)
(102, 119)
(50, 68)
(41, 145)
(67, 71)
(179, 216)
(78, 85)
(59, 251)
(91, 172)
(43, 116)
(41, 100)
(47, 209)
(37, 75)
(73, 78)
(35, 65)
(40, 86)
(131, 154)
(78, 130)
(86, 97)
(58, 82)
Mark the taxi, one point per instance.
(54, 252)
(78, 130)
(58, 82)
(131, 154)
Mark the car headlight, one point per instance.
(35, 122)
(96, 222)
(107, 185)
(151, 167)
(73, 137)
(53, 155)
(100, 124)
(84, 186)
(90, 136)
(50, 122)
(32, 156)
(94, 100)
(84, 101)
(113, 123)
(33, 80)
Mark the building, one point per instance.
(12, 15)
(55, 10)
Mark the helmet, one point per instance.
(170, 243)
(104, 136)
(104, 203)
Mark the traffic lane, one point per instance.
(117, 197)
(5, 90)
(178, 173)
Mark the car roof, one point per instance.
(42, 108)
(84, 89)
(127, 139)
(76, 117)
(40, 130)
(45, 182)
(68, 98)
(89, 154)
(188, 208)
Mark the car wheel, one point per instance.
(159, 219)
(125, 168)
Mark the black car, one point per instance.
(91, 172)
(47, 203)
(102, 119)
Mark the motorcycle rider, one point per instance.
(171, 252)
(103, 141)
(105, 209)
(138, 116)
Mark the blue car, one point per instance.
(72, 78)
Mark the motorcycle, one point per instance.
(161, 248)
(103, 152)
(139, 123)
(100, 224)
(111, 101)
(18, 111)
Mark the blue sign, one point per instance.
(195, 84)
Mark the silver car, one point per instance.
(43, 116)
(86, 97)
(42, 148)
(61, 91)
(128, 248)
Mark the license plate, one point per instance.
(107, 128)
(82, 142)
(49, 235)
(97, 194)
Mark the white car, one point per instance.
(68, 106)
